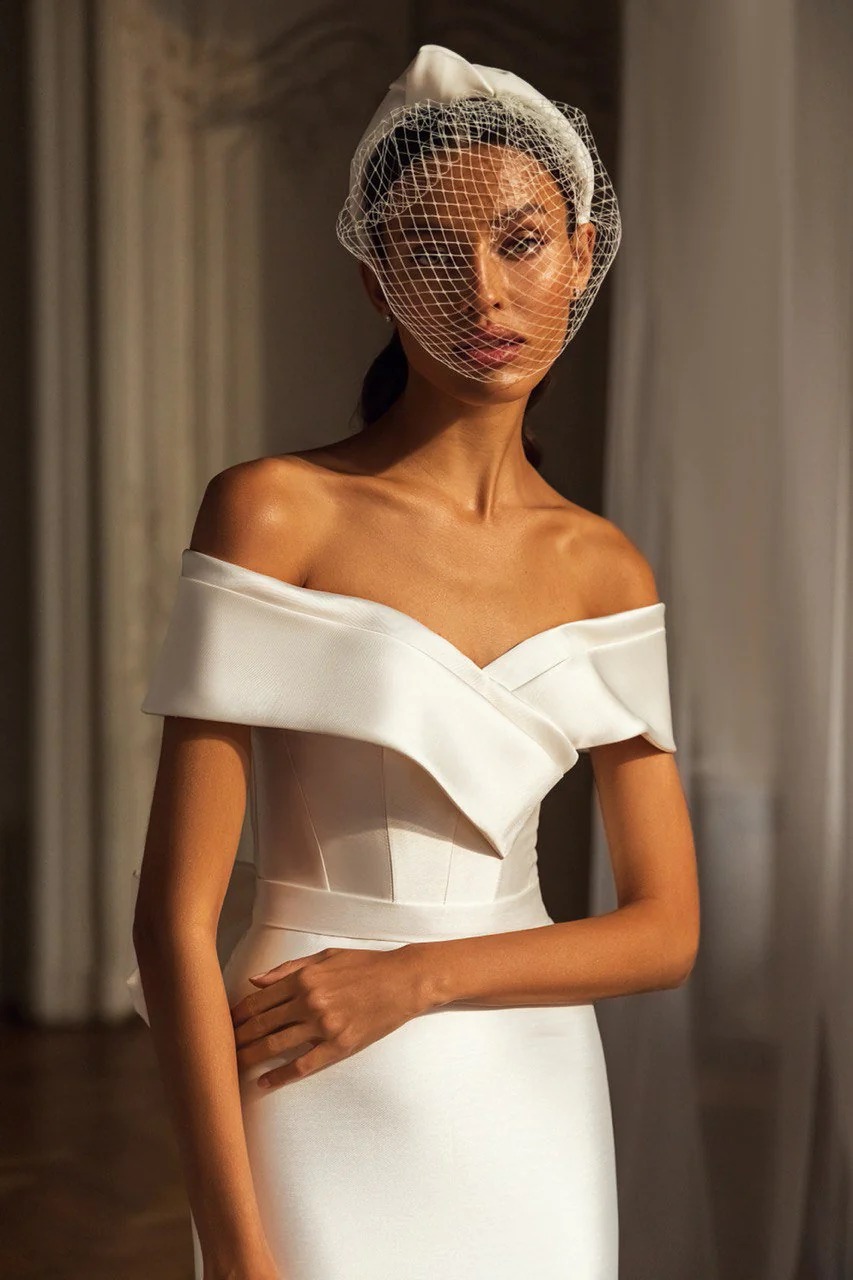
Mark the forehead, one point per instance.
(479, 183)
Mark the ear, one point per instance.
(373, 287)
(584, 241)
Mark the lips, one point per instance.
(491, 340)
(491, 351)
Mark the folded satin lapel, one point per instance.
(607, 691)
(229, 656)
(634, 688)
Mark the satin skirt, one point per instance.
(469, 1144)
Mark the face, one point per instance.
(480, 270)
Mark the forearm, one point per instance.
(194, 1041)
(631, 949)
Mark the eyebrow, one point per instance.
(416, 224)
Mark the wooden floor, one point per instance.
(91, 1188)
(90, 1185)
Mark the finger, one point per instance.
(257, 1002)
(277, 1045)
(287, 966)
(280, 970)
(322, 1055)
(262, 1025)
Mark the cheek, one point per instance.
(544, 286)
(422, 296)
(544, 308)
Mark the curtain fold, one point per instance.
(728, 463)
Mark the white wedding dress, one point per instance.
(395, 796)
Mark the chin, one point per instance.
(499, 386)
(497, 390)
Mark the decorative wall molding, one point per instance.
(566, 49)
(294, 81)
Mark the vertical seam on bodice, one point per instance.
(385, 826)
(306, 807)
(253, 800)
(456, 821)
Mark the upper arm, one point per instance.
(640, 794)
(649, 835)
(251, 514)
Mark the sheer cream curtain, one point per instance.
(729, 464)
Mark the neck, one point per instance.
(472, 452)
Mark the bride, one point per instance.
(391, 649)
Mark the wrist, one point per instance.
(431, 985)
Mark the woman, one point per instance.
(395, 646)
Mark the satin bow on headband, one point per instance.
(438, 74)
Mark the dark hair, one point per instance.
(388, 374)
(438, 127)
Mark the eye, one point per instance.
(435, 258)
(524, 246)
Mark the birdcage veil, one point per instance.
(470, 196)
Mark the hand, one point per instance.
(339, 1000)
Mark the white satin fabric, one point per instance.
(438, 74)
(395, 796)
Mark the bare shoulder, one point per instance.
(618, 574)
(263, 514)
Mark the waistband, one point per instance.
(348, 915)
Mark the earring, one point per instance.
(388, 317)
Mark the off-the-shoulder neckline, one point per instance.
(295, 592)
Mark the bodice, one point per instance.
(385, 762)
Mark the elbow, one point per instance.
(683, 963)
(156, 937)
(150, 937)
(145, 933)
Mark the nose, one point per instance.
(486, 279)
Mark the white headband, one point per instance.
(439, 75)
